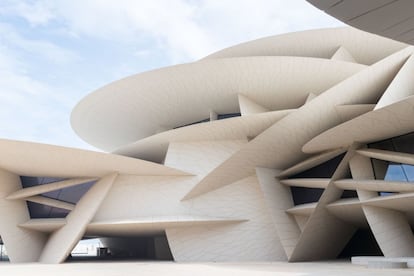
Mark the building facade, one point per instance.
(296, 147)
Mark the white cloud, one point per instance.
(54, 53)
(36, 13)
(34, 108)
(186, 30)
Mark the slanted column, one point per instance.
(278, 199)
(63, 240)
(22, 245)
(361, 169)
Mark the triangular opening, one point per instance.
(349, 194)
(362, 243)
(37, 210)
(70, 194)
(323, 170)
(303, 195)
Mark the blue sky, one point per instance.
(54, 52)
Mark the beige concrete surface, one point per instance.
(200, 269)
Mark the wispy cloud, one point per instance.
(33, 109)
(36, 13)
(185, 29)
(10, 37)
(52, 53)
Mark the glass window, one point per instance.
(395, 172)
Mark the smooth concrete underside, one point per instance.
(388, 18)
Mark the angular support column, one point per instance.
(23, 245)
(62, 241)
(324, 235)
(278, 199)
(391, 230)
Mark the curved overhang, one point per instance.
(389, 18)
(34, 159)
(141, 105)
(364, 47)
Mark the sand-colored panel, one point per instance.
(247, 106)
(306, 182)
(34, 159)
(343, 54)
(397, 157)
(44, 225)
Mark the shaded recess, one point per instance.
(3, 255)
(219, 117)
(148, 247)
(302, 195)
(349, 194)
(403, 143)
(362, 243)
(70, 194)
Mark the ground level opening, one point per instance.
(123, 248)
(362, 243)
(3, 252)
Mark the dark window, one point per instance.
(71, 194)
(302, 195)
(403, 143)
(194, 123)
(37, 210)
(324, 170)
(349, 194)
(229, 115)
(219, 117)
(362, 243)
